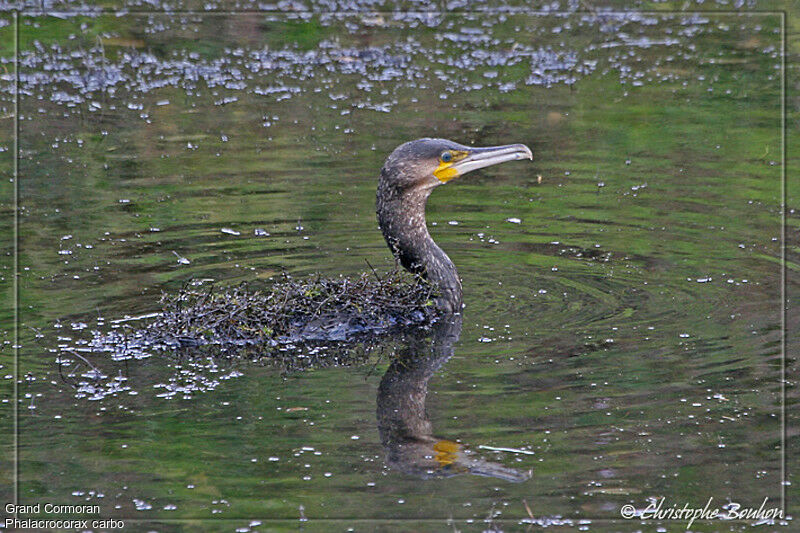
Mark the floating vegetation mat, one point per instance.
(288, 315)
(207, 331)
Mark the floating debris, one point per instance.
(181, 260)
(289, 315)
(78, 80)
(293, 324)
(509, 450)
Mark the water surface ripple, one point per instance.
(621, 336)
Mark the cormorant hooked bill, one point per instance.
(408, 176)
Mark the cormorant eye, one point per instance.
(446, 157)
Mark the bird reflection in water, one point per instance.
(406, 431)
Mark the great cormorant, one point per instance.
(409, 175)
(334, 309)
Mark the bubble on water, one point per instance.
(142, 505)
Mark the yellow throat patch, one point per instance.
(445, 171)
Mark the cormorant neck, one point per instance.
(401, 216)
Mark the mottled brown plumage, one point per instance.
(409, 175)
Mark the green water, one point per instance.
(622, 319)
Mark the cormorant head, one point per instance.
(427, 163)
(407, 178)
